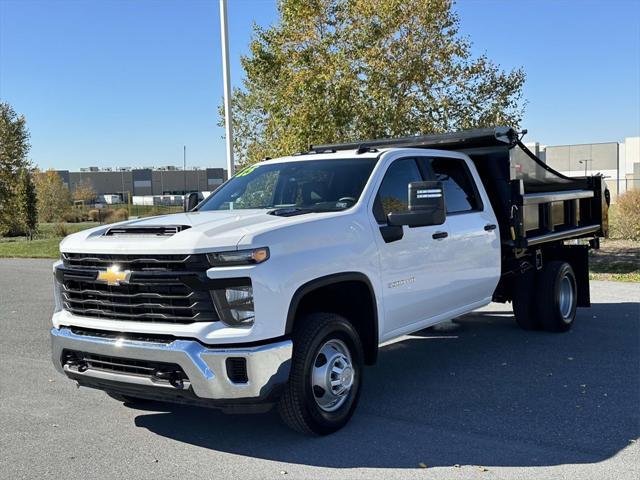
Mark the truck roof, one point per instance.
(328, 155)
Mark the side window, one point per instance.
(393, 195)
(459, 191)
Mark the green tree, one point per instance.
(14, 147)
(26, 203)
(339, 70)
(54, 199)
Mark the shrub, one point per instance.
(60, 230)
(72, 216)
(119, 215)
(94, 215)
(105, 215)
(624, 216)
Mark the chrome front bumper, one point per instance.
(267, 365)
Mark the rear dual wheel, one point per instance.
(546, 300)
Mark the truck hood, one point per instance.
(201, 232)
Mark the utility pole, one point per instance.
(226, 76)
(184, 167)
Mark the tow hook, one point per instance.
(81, 365)
(172, 376)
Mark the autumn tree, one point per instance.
(14, 147)
(54, 199)
(342, 70)
(85, 191)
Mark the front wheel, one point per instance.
(326, 375)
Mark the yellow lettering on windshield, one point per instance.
(246, 171)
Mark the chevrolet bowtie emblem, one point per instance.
(113, 276)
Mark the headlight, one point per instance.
(238, 257)
(235, 305)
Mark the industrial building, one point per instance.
(141, 185)
(619, 163)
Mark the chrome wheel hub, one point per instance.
(332, 375)
(566, 297)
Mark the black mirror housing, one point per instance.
(191, 200)
(426, 206)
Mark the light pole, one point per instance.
(226, 77)
(122, 172)
(184, 167)
(585, 162)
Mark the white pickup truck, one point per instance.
(280, 286)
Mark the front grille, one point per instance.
(162, 371)
(161, 289)
(159, 263)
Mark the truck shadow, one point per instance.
(484, 393)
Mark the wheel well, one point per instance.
(348, 295)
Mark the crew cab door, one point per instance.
(433, 272)
(472, 230)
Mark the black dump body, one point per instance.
(535, 204)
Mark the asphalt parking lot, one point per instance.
(484, 400)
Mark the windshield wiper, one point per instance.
(290, 211)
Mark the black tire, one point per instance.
(557, 296)
(127, 398)
(524, 301)
(298, 406)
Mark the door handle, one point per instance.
(489, 226)
(440, 235)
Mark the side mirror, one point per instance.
(426, 206)
(191, 200)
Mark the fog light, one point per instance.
(235, 305)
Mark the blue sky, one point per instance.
(127, 83)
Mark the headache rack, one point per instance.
(534, 204)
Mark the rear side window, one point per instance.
(460, 194)
(393, 195)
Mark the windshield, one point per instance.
(313, 185)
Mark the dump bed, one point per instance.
(534, 204)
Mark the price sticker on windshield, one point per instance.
(246, 171)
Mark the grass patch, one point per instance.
(24, 248)
(48, 230)
(617, 260)
(44, 245)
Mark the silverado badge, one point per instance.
(113, 276)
